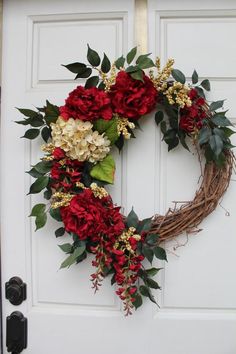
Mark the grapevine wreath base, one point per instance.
(214, 184)
(77, 164)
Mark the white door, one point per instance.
(198, 299)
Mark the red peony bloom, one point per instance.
(132, 98)
(87, 104)
(90, 217)
(58, 154)
(191, 118)
(65, 175)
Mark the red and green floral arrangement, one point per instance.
(77, 164)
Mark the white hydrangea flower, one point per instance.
(79, 141)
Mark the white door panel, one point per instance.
(198, 297)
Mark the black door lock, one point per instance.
(15, 291)
(16, 332)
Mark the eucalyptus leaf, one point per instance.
(216, 105)
(216, 144)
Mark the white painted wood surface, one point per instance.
(198, 300)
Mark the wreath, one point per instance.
(77, 164)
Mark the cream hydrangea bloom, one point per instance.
(79, 141)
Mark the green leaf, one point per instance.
(195, 77)
(101, 86)
(132, 69)
(152, 284)
(178, 76)
(137, 75)
(206, 85)
(37, 121)
(40, 221)
(92, 82)
(142, 57)
(109, 127)
(144, 62)
(93, 57)
(216, 144)
(38, 209)
(138, 300)
(51, 113)
(160, 253)
(182, 137)
(132, 219)
(120, 143)
(31, 134)
(163, 127)
(55, 214)
(43, 167)
(172, 143)
(66, 247)
(152, 239)
(152, 271)
(131, 55)
(23, 122)
(34, 173)
(148, 253)
(220, 120)
(144, 290)
(72, 258)
(204, 135)
(28, 112)
(84, 73)
(159, 116)
(75, 67)
(119, 63)
(221, 133)
(104, 170)
(106, 65)
(46, 133)
(216, 105)
(60, 232)
(228, 132)
(47, 194)
(39, 185)
(144, 225)
(200, 91)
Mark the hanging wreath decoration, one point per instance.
(77, 164)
